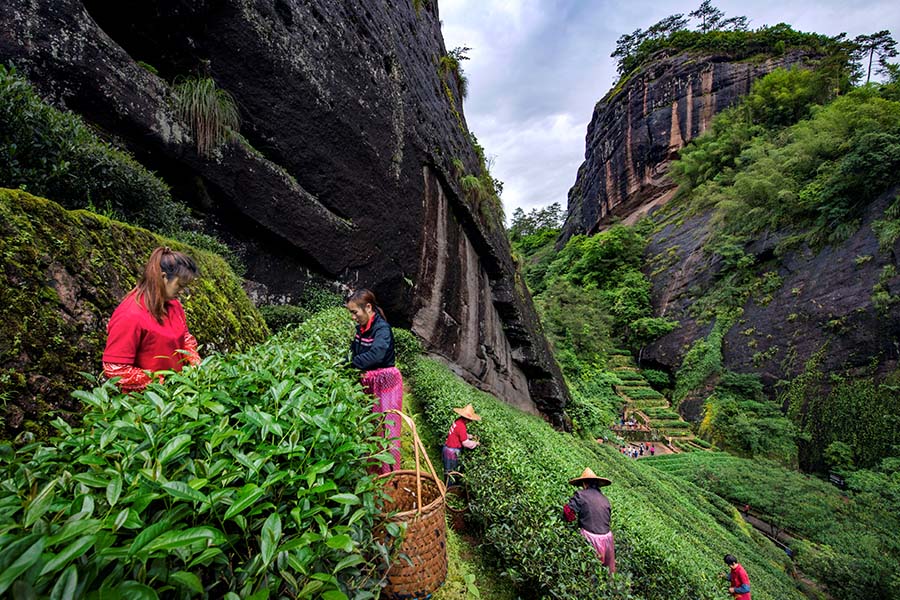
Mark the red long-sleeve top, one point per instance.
(138, 343)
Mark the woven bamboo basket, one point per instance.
(457, 499)
(421, 566)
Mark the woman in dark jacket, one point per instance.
(373, 353)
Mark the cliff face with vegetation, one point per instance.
(772, 266)
(63, 274)
(638, 128)
(348, 168)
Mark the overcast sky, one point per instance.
(537, 67)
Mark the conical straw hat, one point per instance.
(468, 412)
(588, 475)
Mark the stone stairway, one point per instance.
(652, 413)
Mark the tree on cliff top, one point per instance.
(730, 36)
(710, 17)
(879, 44)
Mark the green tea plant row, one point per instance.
(245, 477)
(662, 413)
(670, 424)
(647, 393)
(652, 403)
(671, 535)
(628, 376)
(849, 541)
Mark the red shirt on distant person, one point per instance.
(740, 582)
(458, 434)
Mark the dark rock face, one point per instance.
(824, 300)
(638, 128)
(344, 169)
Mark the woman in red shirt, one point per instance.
(457, 439)
(148, 330)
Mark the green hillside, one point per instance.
(846, 540)
(670, 535)
(810, 165)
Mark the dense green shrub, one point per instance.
(313, 299)
(241, 478)
(280, 316)
(817, 174)
(739, 418)
(660, 380)
(662, 413)
(670, 536)
(850, 539)
(407, 348)
(595, 404)
(702, 361)
(577, 324)
(317, 297)
(857, 409)
(54, 154)
(595, 295)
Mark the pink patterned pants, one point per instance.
(387, 387)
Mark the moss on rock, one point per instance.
(63, 273)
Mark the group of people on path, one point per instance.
(637, 451)
(148, 333)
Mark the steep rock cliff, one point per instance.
(344, 168)
(640, 125)
(823, 301)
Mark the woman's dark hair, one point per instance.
(730, 560)
(151, 289)
(363, 297)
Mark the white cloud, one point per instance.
(538, 67)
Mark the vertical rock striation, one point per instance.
(640, 125)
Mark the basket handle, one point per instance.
(419, 449)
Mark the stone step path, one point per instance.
(639, 397)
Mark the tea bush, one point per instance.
(245, 477)
(850, 539)
(642, 394)
(280, 316)
(670, 535)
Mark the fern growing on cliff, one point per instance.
(210, 111)
(449, 65)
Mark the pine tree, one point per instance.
(879, 44)
(710, 16)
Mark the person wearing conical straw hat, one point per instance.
(592, 509)
(457, 439)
